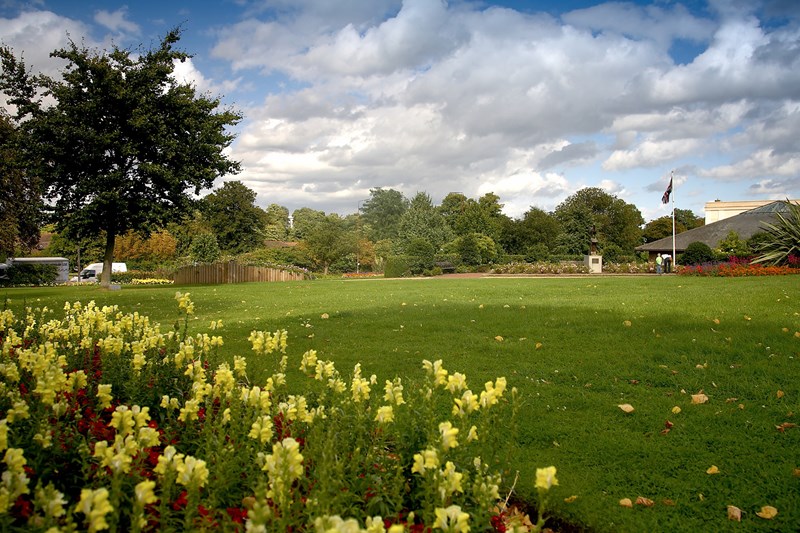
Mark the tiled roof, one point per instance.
(744, 224)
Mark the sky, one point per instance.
(531, 100)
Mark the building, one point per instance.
(717, 210)
(745, 224)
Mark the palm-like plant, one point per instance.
(783, 237)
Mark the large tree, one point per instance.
(20, 201)
(234, 217)
(119, 143)
(328, 241)
(465, 215)
(382, 213)
(614, 221)
(423, 221)
(277, 218)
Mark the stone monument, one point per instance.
(593, 261)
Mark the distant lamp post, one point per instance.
(358, 234)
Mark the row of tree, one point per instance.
(228, 222)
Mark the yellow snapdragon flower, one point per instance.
(240, 366)
(144, 492)
(95, 506)
(309, 361)
(436, 371)
(448, 481)
(283, 466)
(427, 460)
(224, 382)
(184, 303)
(394, 392)
(448, 433)
(385, 414)
(451, 520)
(3, 434)
(261, 429)
(359, 386)
(546, 478)
(191, 471)
(50, 500)
(104, 395)
(456, 382)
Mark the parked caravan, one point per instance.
(61, 264)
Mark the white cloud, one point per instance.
(185, 72)
(116, 21)
(34, 34)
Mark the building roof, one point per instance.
(744, 224)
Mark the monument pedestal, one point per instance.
(594, 263)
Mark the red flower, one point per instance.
(181, 502)
(237, 514)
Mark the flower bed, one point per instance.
(733, 269)
(566, 267)
(110, 423)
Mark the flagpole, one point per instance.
(672, 182)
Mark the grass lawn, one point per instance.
(576, 348)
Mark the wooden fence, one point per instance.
(231, 272)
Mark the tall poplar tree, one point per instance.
(118, 142)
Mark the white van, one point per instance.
(92, 271)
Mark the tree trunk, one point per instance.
(108, 260)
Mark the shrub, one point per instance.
(539, 252)
(396, 267)
(30, 275)
(697, 253)
(204, 248)
(783, 237)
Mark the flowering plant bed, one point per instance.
(735, 268)
(110, 423)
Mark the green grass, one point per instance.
(589, 362)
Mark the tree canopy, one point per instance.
(20, 202)
(614, 220)
(123, 144)
(423, 221)
(382, 212)
(234, 218)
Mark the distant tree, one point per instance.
(234, 218)
(304, 220)
(158, 246)
(423, 221)
(277, 223)
(382, 212)
(465, 215)
(615, 221)
(328, 241)
(20, 201)
(452, 208)
(732, 245)
(474, 249)
(687, 219)
(536, 227)
(186, 229)
(119, 143)
(576, 235)
(660, 228)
